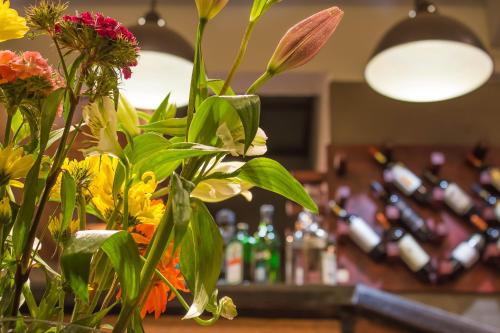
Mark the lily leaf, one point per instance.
(272, 176)
(216, 87)
(216, 110)
(201, 257)
(164, 111)
(121, 250)
(181, 207)
(171, 126)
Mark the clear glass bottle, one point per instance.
(238, 255)
(226, 221)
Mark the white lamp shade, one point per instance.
(156, 75)
(428, 70)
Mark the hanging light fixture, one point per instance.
(165, 64)
(428, 57)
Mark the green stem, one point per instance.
(259, 82)
(156, 249)
(125, 198)
(8, 125)
(82, 204)
(194, 89)
(239, 58)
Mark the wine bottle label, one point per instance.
(361, 233)
(409, 217)
(329, 268)
(260, 274)
(234, 263)
(299, 276)
(412, 253)
(405, 180)
(497, 211)
(465, 254)
(459, 201)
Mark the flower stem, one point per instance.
(125, 198)
(259, 82)
(8, 125)
(239, 58)
(197, 71)
(156, 249)
(82, 203)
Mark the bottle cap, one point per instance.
(225, 217)
(242, 226)
(266, 210)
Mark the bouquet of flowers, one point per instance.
(147, 176)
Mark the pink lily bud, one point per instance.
(208, 9)
(304, 40)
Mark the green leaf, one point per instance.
(49, 111)
(201, 257)
(216, 87)
(94, 320)
(217, 110)
(172, 126)
(68, 199)
(272, 176)
(163, 162)
(118, 181)
(127, 117)
(164, 111)
(181, 207)
(121, 250)
(24, 217)
(145, 145)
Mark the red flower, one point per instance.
(127, 73)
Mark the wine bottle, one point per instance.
(490, 199)
(360, 232)
(489, 175)
(466, 254)
(266, 254)
(403, 178)
(410, 252)
(457, 200)
(408, 217)
(237, 256)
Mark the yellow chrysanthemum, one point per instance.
(141, 206)
(103, 168)
(5, 211)
(55, 228)
(14, 164)
(81, 173)
(12, 26)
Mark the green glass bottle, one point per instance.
(267, 249)
(238, 255)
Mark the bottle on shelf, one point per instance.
(410, 251)
(360, 232)
(457, 199)
(408, 217)
(466, 254)
(226, 221)
(238, 256)
(402, 177)
(311, 257)
(490, 199)
(489, 175)
(266, 252)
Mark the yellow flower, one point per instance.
(103, 168)
(55, 228)
(12, 26)
(5, 211)
(81, 173)
(140, 204)
(217, 190)
(14, 164)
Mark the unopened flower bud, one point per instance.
(208, 9)
(227, 307)
(304, 40)
(5, 211)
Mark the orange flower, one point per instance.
(159, 294)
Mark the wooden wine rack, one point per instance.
(391, 274)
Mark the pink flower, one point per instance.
(304, 40)
(87, 19)
(127, 73)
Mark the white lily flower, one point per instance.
(234, 141)
(217, 190)
(101, 118)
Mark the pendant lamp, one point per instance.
(165, 64)
(428, 57)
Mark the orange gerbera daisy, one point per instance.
(159, 294)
